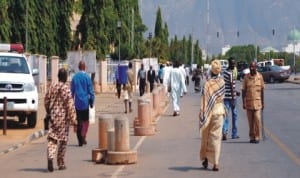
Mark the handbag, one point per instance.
(47, 118)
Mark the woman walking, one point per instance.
(211, 117)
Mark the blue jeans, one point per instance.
(227, 103)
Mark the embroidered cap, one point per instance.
(215, 67)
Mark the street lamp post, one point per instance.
(119, 29)
(150, 37)
(79, 46)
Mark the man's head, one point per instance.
(231, 63)
(142, 66)
(81, 65)
(62, 75)
(253, 68)
(129, 65)
(176, 64)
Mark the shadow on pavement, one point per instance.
(34, 170)
(186, 168)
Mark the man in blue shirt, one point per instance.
(83, 94)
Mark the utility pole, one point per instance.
(132, 29)
(119, 29)
(26, 32)
(207, 28)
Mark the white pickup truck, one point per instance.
(17, 85)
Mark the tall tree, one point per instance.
(64, 12)
(161, 37)
(4, 22)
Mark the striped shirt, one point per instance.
(229, 80)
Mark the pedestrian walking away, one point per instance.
(253, 101)
(151, 77)
(167, 70)
(83, 94)
(141, 80)
(177, 85)
(161, 74)
(128, 89)
(187, 78)
(181, 67)
(230, 101)
(196, 78)
(59, 104)
(118, 83)
(211, 117)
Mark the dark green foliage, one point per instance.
(4, 22)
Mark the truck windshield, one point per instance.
(9, 64)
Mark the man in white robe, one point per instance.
(167, 70)
(177, 84)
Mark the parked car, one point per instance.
(273, 73)
(243, 69)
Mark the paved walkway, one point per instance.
(105, 103)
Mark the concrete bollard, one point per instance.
(144, 114)
(111, 140)
(156, 105)
(122, 153)
(102, 131)
(99, 154)
(145, 127)
(121, 134)
(162, 99)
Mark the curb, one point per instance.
(35, 135)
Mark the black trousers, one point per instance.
(82, 115)
(142, 86)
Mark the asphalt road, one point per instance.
(174, 150)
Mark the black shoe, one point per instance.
(50, 165)
(175, 113)
(80, 144)
(256, 141)
(224, 137)
(252, 141)
(62, 167)
(235, 137)
(205, 163)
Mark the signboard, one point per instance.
(89, 57)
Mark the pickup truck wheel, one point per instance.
(22, 118)
(31, 120)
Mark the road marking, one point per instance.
(289, 152)
(139, 143)
(116, 173)
(136, 147)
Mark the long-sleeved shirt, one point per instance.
(58, 101)
(229, 80)
(82, 90)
